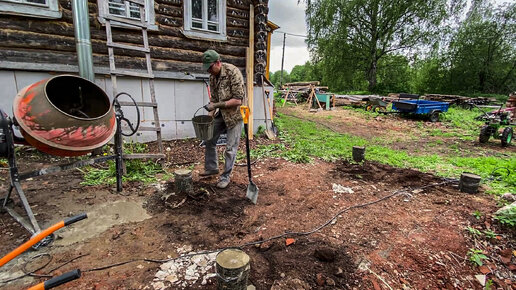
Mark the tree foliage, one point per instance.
(350, 36)
(397, 46)
(483, 51)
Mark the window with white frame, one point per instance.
(127, 9)
(205, 19)
(124, 9)
(35, 8)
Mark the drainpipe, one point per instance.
(81, 23)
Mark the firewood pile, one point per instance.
(458, 100)
(300, 91)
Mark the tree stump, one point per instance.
(469, 182)
(358, 153)
(183, 181)
(232, 269)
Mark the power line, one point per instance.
(292, 34)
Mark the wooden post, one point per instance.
(286, 97)
(317, 99)
(310, 95)
(250, 72)
(183, 181)
(232, 267)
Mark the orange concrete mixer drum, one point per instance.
(65, 115)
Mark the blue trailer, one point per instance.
(421, 107)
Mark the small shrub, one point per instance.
(474, 231)
(490, 234)
(477, 256)
(477, 214)
(260, 131)
(507, 217)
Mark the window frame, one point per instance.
(49, 10)
(150, 16)
(200, 33)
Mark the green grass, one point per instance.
(462, 121)
(304, 140)
(137, 170)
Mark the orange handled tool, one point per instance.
(40, 237)
(244, 110)
(59, 280)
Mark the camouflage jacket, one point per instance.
(228, 85)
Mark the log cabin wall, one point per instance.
(51, 41)
(32, 49)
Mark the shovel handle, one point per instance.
(244, 110)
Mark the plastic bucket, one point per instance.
(203, 126)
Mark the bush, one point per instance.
(507, 217)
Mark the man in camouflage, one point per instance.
(227, 93)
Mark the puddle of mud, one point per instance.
(101, 218)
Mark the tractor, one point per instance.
(493, 124)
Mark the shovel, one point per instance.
(252, 189)
(274, 128)
(270, 134)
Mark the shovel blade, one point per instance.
(252, 192)
(270, 134)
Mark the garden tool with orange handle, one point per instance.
(59, 280)
(38, 237)
(252, 189)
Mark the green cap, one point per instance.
(208, 57)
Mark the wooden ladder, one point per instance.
(114, 72)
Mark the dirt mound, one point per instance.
(309, 260)
(376, 172)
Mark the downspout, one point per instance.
(81, 23)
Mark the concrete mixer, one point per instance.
(64, 115)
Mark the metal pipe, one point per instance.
(81, 23)
(282, 60)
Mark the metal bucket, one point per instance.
(232, 266)
(469, 182)
(203, 126)
(64, 115)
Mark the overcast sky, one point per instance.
(290, 17)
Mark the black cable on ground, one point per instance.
(31, 273)
(499, 177)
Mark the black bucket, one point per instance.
(358, 153)
(469, 182)
(203, 126)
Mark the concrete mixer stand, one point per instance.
(7, 141)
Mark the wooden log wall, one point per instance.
(52, 41)
(260, 55)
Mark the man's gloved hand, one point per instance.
(212, 106)
(209, 107)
